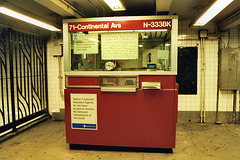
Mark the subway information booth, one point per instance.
(121, 81)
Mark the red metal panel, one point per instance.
(175, 113)
(75, 81)
(142, 119)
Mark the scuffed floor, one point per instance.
(195, 141)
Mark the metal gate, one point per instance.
(23, 79)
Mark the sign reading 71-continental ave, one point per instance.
(120, 25)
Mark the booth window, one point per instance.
(121, 51)
(187, 70)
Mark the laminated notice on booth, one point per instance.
(163, 54)
(84, 111)
(119, 46)
(85, 43)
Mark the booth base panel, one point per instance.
(145, 118)
(126, 121)
(119, 148)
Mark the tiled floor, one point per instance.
(195, 141)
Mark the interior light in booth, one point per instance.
(145, 36)
(92, 39)
(115, 5)
(212, 11)
(152, 30)
(27, 19)
(121, 31)
(113, 31)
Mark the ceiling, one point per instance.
(53, 11)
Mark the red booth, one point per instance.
(121, 81)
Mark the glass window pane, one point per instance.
(121, 51)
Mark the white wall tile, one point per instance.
(55, 99)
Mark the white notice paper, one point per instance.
(163, 54)
(119, 46)
(85, 43)
(84, 111)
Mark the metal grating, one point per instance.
(23, 78)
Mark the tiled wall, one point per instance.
(187, 37)
(56, 101)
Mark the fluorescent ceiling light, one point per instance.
(27, 19)
(115, 5)
(217, 7)
(145, 36)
